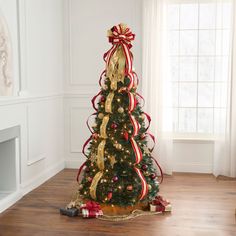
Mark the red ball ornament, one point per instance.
(95, 135)
(152, 176)
(129, 187)
(109, 195)
(126, 135)
(115, 179)
(143, 136)
(90, 179)
(87, 169)
(113, 125)
(144, 167)
(103, 99)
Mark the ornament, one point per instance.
(90, 179)
(118, 100)
(100, 115)
(118, 146)
(152, 176)
(113, 125)
(95, 135)
(149, 186)
(144, 167)
(119, 187)
(129, 187)
(81, 186)
(120, 109)
(130, 131)
(115, 179)
(103, 99)
(109, 196)
(126, 135)
(146, 173)
(142, 116)
(143, 136)
(87, 169)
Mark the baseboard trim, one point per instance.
(193, 168)
(31, 185)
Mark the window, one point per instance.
(199, 51)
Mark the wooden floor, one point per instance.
(202, 205)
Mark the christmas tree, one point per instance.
(119, 169)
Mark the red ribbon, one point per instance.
(94, 99)
(101, 76)
(85, 144)
(149, 120)
(79, 172)
(159, 167)
(87, 122)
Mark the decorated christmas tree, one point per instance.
(119, 170)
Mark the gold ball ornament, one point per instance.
(121, 110)
(142, 116)
(118, 100)
(100, 115)
(149, 187)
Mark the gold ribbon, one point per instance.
(108, 106)
(116, 68)
(100, 155)
(103, 126)
(93, 186)
(100, 164)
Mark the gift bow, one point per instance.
(91, 206)
(159, 200)
(121, 34)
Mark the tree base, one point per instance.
(113, 210)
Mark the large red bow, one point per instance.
(121, 35)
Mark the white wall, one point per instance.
(86, 26)
(38, 75)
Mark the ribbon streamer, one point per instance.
(93, 186)
(144, 190)
(87, 122)
(85, 144)
(136, 125)
(103, 127)
(100, 154)
(108, 106)
(137, 150)
(100, 164)
(93, 100)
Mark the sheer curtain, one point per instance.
(153, 82)
(224, 161)
(157, 91)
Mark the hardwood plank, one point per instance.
(202, 205)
